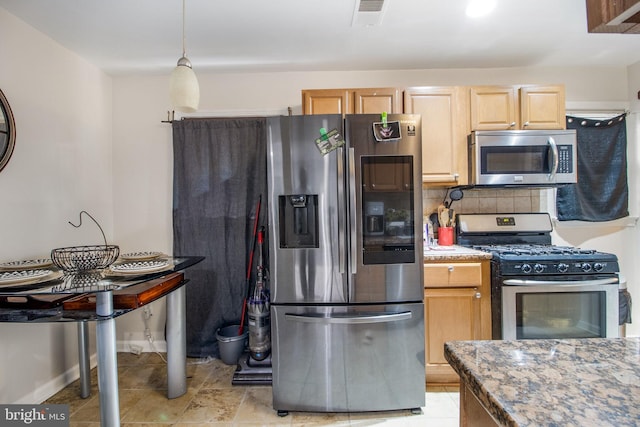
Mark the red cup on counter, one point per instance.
(445, 236)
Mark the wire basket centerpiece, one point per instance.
(85, 258)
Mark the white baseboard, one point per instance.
(146, 346)
(51, 387)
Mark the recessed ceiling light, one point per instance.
(478, 8)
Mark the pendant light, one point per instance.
(184, 90)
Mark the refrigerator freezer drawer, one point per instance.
(348, 358)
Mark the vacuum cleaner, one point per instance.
(254, 366)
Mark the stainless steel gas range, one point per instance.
(539, 290)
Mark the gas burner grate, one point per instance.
(527, 250)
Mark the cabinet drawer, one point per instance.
(455, 274)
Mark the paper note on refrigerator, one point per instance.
(329, 141)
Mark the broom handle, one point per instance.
(253, 248)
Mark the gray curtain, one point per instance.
(219, 175)
(602, 193)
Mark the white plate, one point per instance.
(26, 264)
(137, 256)
(139, 267)
(15, 277)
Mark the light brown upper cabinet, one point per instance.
(375, 101)
(326, 101)
(542, 107)
(444, 111)
(517, 107)
(351, 101)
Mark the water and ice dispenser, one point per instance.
(298, 219)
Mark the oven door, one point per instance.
(534, 309)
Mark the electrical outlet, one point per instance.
(135, 349)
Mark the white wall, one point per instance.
(61, 164)
(86, 141)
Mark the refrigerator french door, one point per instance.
(347, 312)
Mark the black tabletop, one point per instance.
(96, 281)
(81, 283)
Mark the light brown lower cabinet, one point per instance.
(457, 305)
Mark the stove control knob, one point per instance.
(526, 268)
(586, 267)
(538, 268)
(598, 266)
(563, 268)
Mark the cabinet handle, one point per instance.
(478, 295)
(451, 268)
(525, 124)
(512, 125)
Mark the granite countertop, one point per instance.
(553, 382)
(453, 253)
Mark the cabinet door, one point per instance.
(542, 107)
(326, 101)
(493, 108)
(512, 107)
(450, 314)
(444, 132)
(377, 100)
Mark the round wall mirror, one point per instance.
(7, 131)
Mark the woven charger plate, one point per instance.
(26, 264)
(28, 277)
(138, 267)
(138, 256)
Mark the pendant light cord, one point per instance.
(184, 49)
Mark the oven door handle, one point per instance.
(524, 282)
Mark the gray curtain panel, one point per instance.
(219, 175)
(602, 193)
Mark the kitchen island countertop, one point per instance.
(453, 253)
(553, 382)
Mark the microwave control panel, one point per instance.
(565, 159)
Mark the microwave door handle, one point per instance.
(342, 212)
(524, 282)
(554, 158)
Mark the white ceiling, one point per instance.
(145, 36)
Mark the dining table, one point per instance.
(47, 294)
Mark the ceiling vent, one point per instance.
(368, 12)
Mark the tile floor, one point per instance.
(211, 400)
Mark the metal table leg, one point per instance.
(83, 359)
(176, 343)
(107, 361)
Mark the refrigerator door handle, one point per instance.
(342, 212)
(349, 319)
(352, 210)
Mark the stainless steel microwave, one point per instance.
(523, 157)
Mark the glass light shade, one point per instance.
(184, 90)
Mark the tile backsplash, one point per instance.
(494, 200)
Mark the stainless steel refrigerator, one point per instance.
(346, 270)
